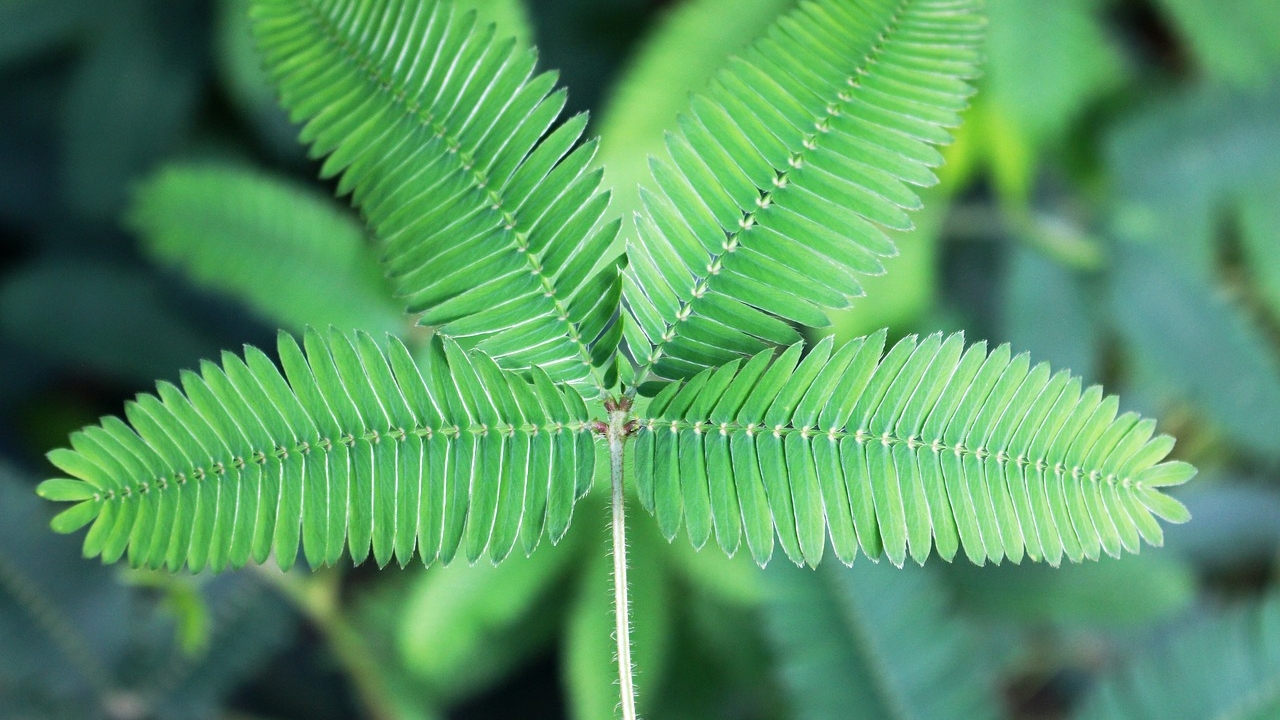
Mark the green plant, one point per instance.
(769, 204)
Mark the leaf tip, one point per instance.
(1166, 474)
(65, 490)
(74, 518)
(1164, 506)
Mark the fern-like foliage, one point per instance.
(1226, 667)
(867, 642)
(490, 225)
(775, 195)
(352, 447)
(929, 444)
(784, 176)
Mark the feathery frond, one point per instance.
(351, 446)
(929, 444)
(782, 179)
(1226, 668)
(490, 225)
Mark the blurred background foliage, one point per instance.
(1112, 205)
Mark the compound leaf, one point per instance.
(352, 445)
(775, 195)
(929, 445)
(489, 221)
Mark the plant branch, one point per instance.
(619, 427)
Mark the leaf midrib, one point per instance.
(477, 181)
(732, 241)
(217, 467)
(914, 443)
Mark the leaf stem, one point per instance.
(617, 433)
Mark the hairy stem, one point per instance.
(617, 434)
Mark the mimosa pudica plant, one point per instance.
(672, 341)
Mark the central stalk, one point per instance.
(616, 431)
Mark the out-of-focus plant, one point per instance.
(767, 204)
(1106, 207)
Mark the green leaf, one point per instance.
(1220, 667)
(353, 445)
(775, 196)
(280, 247)
(874, 642)
(489, 225)
(63, 490)
(930, 444)
(74, 518)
